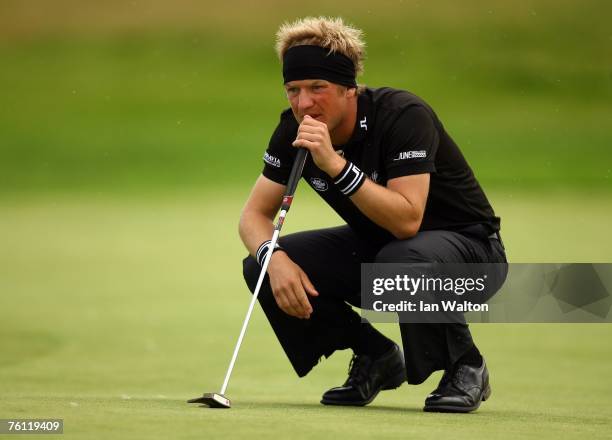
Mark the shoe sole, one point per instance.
(459, 409)
(392, 383)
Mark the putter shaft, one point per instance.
(294, 177)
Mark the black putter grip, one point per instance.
(296, 171)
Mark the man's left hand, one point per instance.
(314, 136)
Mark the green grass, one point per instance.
(129, 137)
(115, 310)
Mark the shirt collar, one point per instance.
(362, 122)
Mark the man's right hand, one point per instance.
(290, 286)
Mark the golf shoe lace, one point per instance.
(359, 369)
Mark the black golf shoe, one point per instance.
(367, 377)
(461, 390)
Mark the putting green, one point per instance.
(115, 310)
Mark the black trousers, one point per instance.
(331, 258)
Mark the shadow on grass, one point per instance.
(317, 407)
(144, 405)
(501, 415)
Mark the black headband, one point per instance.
(315, 62)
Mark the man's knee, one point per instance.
(250, 272)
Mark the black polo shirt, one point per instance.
(396, 134)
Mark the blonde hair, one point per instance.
(327, 32)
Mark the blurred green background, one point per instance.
(156, 95)
(130, 135)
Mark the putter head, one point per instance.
(213, 400)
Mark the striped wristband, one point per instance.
(350, 179)
(262, 251)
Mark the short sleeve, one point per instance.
(278, 157)
(411, 143)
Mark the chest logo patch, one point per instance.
(364, 123)
(319, 184)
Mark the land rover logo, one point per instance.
(319, 184)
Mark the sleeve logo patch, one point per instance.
(411, 155)
(271, 160)
(319, 184)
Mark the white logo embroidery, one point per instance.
(374, 176)
(411, 154)
(271, 160)
(319, 184)
(363, 123)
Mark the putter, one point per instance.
(218, 400)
